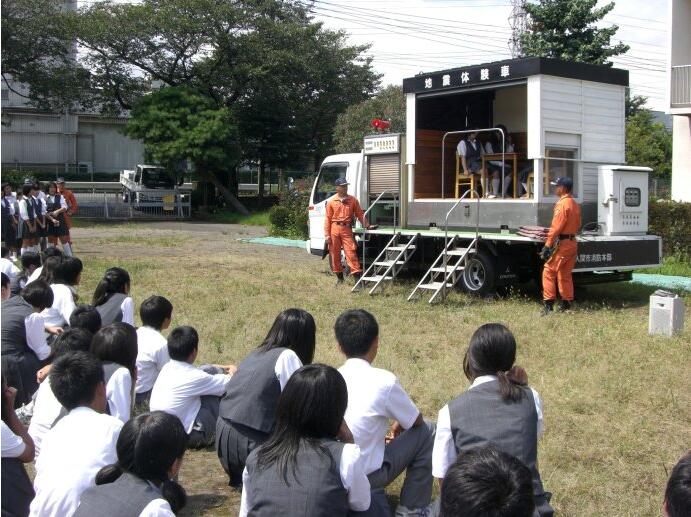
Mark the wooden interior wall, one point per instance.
(428, 163)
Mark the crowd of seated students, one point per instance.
(112, 409)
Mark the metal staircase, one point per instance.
(389, 263)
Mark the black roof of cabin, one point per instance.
(499, 72)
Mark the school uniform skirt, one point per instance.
(9, 232)
(24, 232)
(234, 442)
(59, 230)
(19, 371)
(43, 231)
(17, 492)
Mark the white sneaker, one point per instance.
(431, 510)
(492, 196)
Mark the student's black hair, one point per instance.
(487, 482)
(310, 408)
(155, 310)
(147, 447)
(5, 251)
(492, 351)
(6, 406)
(72, 340)
(52, 252)
(26, 190)
(356, 330)
(294, 329)
(117, 343)
(50, 265)
(115, 280)
(495, 137)
(38, 294)
(68, 271)
(30, 259)
(182, 341)
(86, 317)
(678, 491)
(74, 377)
(5, 281)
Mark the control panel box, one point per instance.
(623, 194)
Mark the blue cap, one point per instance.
(340, 182)
(563, 181)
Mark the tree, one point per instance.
(177, 123)
(567, 29)
(355, 123)
(649, 143)
(633, 104)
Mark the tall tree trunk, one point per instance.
(227, 194)
(261, 179)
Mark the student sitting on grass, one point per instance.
(30, 263)
(86, 317)
(47, 410)
(192, 394)
(678, 492)
(142, 482)
(302, 469)
(116, 346)
(5, 287)
(374, 397)
(486, 481)
(24, 347)
(17, 449)
(498, 409)
(66, 278)
(80, 443)
(247, 413)
(111, 297)
(156, 313)
(56, 257)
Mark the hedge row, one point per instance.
(671, 221)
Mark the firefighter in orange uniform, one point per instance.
(71, 202)
(559, 263)
(341, 210)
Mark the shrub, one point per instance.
(672, 221)
(279, 216)
(289, 217)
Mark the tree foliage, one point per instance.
(567, 29)
(649, 143)
(355, 122)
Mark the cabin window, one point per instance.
(329, 173)
(561, 159)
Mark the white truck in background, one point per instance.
(146, 183)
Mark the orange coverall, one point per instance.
(339, 226)
(566, 221)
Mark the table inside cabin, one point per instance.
(512, 157)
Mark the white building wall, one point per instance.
(104, 144)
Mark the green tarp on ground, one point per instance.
(664, 281)
(277, 241)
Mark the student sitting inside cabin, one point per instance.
(302, 469)
(24, 347)
(47, 410)
(374, 397)
(142, 482)
(247, 414)
(494, 167)
(30, 263)
(111, 297)
(116, 346)
(486, 481)
(499, 409)
(470, 150)
(678, 491)
(192, 394)
(80, 443)
(17, 449)
(156, 313)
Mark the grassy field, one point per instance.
(617, 401)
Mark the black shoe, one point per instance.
(564, 306)
(356, 278)
(547, 308)
(339, 278)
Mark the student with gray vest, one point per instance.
(111, 297)
(302, 470)
(24, 347)
(498, 409)
(116, 346)
(142, 482)
(247, 413)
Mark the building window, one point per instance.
(560, 162)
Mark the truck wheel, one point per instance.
(479, 275)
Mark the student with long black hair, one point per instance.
(66, 278)
(111, 297)
(302, 469)
(45, 271)
(247, 413)
(498, 409)
(141, 484)
(116, 346)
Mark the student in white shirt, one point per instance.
(142, 482)
(492, 146)
(156, 313)
(82, 442)
(6, 265)
(248, 408)
(374, 397)
(27, 228)
(302, 469)
(112, 299)
(52, 258)
(498, 409)
(17, 449)
(116, 346)
(9, 219)
(66, 278)
(192, 394)
(30, 262)
(47, 410)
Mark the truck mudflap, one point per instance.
(612, 254)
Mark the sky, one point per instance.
(412, 36)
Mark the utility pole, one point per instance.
(517, 22)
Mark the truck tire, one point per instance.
(479, 276)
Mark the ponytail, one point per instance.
(108, 474)
(172, 492)
(510, 382)
(115, 280)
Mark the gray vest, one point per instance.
(315, 490)
(110, 311)
(473, 156)
(252, 393)
(481, 417)
(127, 496)
(14, 311)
